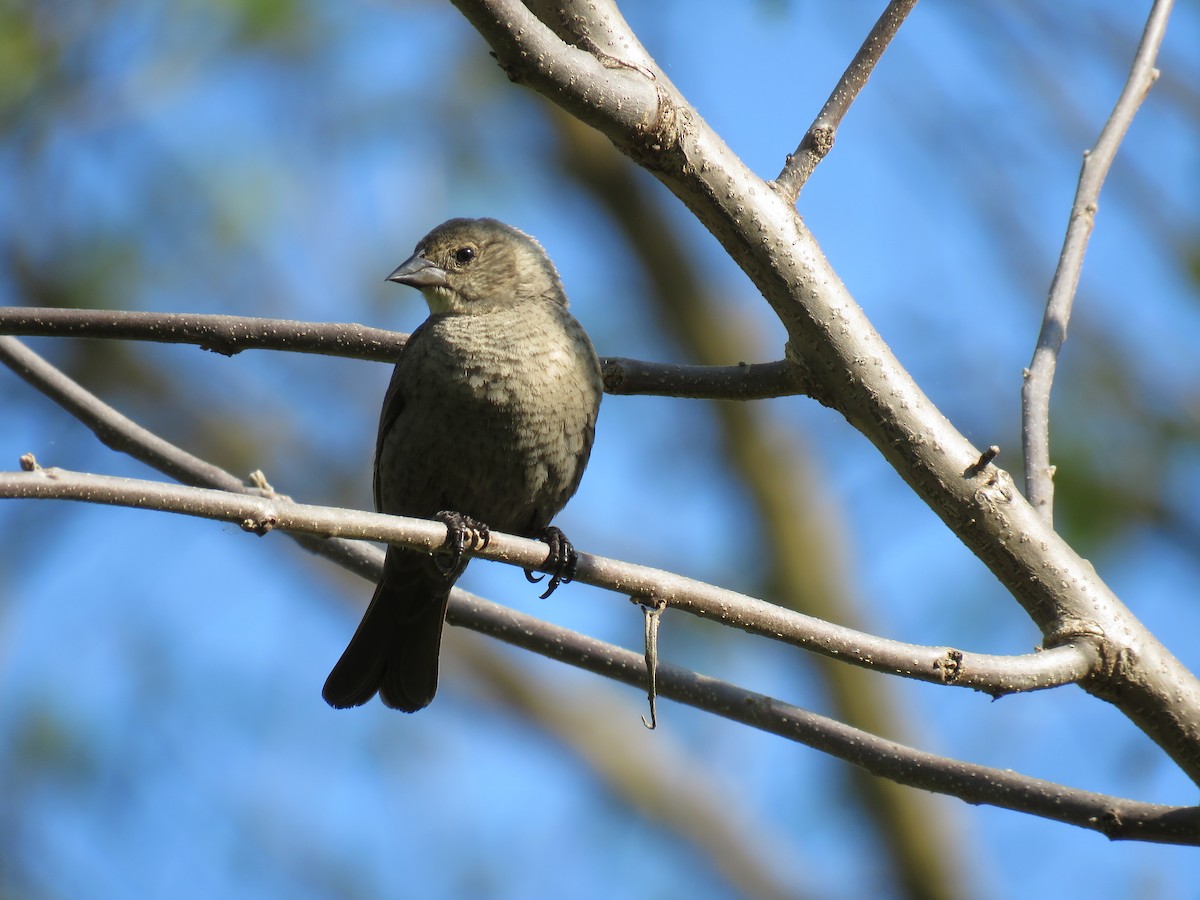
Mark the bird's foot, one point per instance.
(560, 561)
(462, 534)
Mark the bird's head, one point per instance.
(474, 266)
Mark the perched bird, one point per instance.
(487, 423)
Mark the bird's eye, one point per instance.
(464, 254)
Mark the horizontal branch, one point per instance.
(995, 675)
(227, 335)
(230, 335)
(1115, 817)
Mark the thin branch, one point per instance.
(1039, 377)
(745, 381)
(1117, 818)
(995, 675)
(230, 335)
(821, 134)
(123, 435)
(977, 784)
(226, 335)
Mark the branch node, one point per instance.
(985, 459)
(950, 665)
(260, 525)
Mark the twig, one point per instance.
(995, 675)
(818, 140)
(230, 335)
(1039, 377)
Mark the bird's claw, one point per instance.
(561, 560)
(462, 534)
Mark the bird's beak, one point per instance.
(418, 272)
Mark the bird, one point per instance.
(487, 423)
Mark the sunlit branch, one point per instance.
(1117, 818)
(122, 434)
(995, 675)
(1113, 816)
(821, 134)
(1039, 377)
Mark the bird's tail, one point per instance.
(395, 650)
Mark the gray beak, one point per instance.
(418, 272)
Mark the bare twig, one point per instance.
(995, 675)
(230, 335)
(1039, 377)
(818, 140)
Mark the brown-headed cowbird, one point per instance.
(488, 422)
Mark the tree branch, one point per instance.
(821, 134)
(123, 435)
(258, 513)
(230, 335)
(1116, 817)
(852, 368)
(227, 335)
(1039, 377)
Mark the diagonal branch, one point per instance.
(1039, 377)
(821, 134)
(851, 366)
(1116, 818)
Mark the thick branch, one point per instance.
(995, 675)
(821, 134)
(1039, 377)
(230, 335)
(851, 367)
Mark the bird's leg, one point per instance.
(560, 561)
(462, 534)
